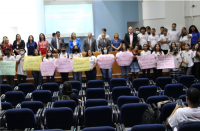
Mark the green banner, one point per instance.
(7, 67)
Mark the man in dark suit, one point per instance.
(89, 44)
(56, 43)
(130, 38)
(104, 43)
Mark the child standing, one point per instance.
(135, 68)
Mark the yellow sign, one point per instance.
(81, 64)
(32, 63)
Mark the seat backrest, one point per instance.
(137, 83)
(65, 103)
(95, 93)
(173, 90)
(33, 105)
(95, 102)
(186, 80)
(42, 95)
(194, 126)
(120, 91)
(149, 127)
(98, 116)
(5, 88)
(95, 84)
(127, 99)
(156, 99)
(103, 128)
(20, 119)
(14, 97)
(163, 81)
(76, 92)
(131, 114)
(196, 85)
(6, 105)
(51, 86)
(62, 117)
(147, 91)
(26, 88)
(76, 85)
(114, 82)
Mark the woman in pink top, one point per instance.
(5, 45)
(43, 44)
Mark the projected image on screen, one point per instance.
(69, 18)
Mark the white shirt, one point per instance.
(186, 39)
(153, 40)
(20, 66)
(11, 58)
(184, 115)
(196, 59)
(74, 43)
(145, 53)
(61, 55)
(93, 60)
(142, 39)
(188, 57)
(49, 59)
(165, 46)
(177, 60)
(158, 54)
(78, 55)
(100, 37)
(174, 36)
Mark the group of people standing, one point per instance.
(184, 46)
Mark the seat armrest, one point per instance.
(134, 91)
(174, 81)
(118, 127)
(151, 82)
(80, 94)
(114, 115)
(2, 121)
(28, 97)
(196, 80)
(72, 128)
(82, 116)
(142, 100)
(78, 128)
(61, 86)
(172, 99)
(107, 94)
(76, 114)
(106, 85)
(18, 106)
(154, 106)
(123, 127)
(16, 88)
(111, 102)
(117, 113)
(38, 120)
(55, 96)
(84, 86)
(42, 119)
(3, 97)
(39, 87)
(49, 104)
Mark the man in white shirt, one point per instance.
(161, 31)
(100, 36)
(188, 114)
(137, 31)
(165, 41)
(153, 39)
(142, 37)
(9, 57)
(174, 34)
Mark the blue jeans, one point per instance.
(176, 75)
(37, 78)
(91, 75)
(107, 75)
(77, 76)
(52, 78)
(127, 72)
(148, 73)
(1, 79)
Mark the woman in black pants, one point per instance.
(91, 75)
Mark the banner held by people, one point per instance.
(147, 61)
(7, 67)
(81, 64)
(105, 61)
(165, 62)
(64, 65)
(124, 58)
(47, 68)
(32, 63)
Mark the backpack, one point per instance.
(65, 97)
(151, 116)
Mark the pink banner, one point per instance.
(165, 62)
(147, 61)
(64, 65)
(105, 61)
(124, 58)
(47, 68)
